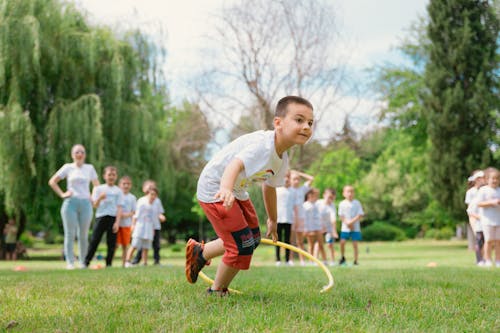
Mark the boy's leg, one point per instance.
(321, 245)
(225, 274)
(479, 247)
(279, 230)
(156, 247)
(98, 231)
(355, 247)
(288, 229)
(110, 240)
(144, 257)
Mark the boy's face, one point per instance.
(126, 185)
(146, 185)
(110, 176)
(328, 196)
(348, 193)
(296, 126)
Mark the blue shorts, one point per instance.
(354, 235)
(329, 238)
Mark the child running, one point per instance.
(256, 157)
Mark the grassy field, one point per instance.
(393, 290)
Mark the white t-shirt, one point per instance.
(285, 202)
(258, 154)
(129, 205)
(348, 210)
(108, 206)
(489, 215)
(145, 216)
(474, 209)
(299, 194)
(312, 221)
(158, 210)
(327, 214)
(470, 194)
(78, 178)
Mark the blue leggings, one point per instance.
(76, 214)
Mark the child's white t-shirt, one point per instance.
(285, 202)
(312, 221)
(299, 194)
(474, 209)
(489, 215)
(108, 206)
(158, 210)
(78, 178)
(470, 194)
(129, 205)
(257, 151)
(145, 219)
(348, 210)
(327, 214)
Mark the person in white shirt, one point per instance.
(477, 179)
(350, 213)
(285, 201)
(299, 191)
(158, 220)
(76, 210)
(143, 225)
(124, 234)
(312, 223)
(328, 216)
(260, 156)
(488, 201)
(108, 199)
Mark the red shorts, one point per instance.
(238, 228)
(123, 236)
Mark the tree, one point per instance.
(269, 49)
(462, 91)
(63, 82)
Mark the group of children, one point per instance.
(483, 208)
(125, 220)
(302, 215)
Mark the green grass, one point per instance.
(392, 290)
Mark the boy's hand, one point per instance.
(272, 230)
(102, 196)
(226, 196)
(115, 227)
(162, 218)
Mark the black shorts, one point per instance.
(10, 247)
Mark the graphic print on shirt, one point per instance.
(258, 177)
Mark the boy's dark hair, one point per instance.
(110, 168)
(282, 106)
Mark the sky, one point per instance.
(370, 30)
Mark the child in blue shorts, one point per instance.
(350, 213)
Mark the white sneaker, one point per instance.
(70, 266)
(278, 263)
(497, 263)
(128, 265)
(488, 263)
(302, 263)
(331, 263)
(480, 264)
(290, 263)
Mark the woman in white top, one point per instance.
(76, 210)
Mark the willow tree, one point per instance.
(63, 82)
(462, 80)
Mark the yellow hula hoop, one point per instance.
(291, 248)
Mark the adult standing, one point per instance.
(76, 210)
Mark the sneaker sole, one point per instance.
(189, 260)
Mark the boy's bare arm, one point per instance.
(269, 196)
(227, 181)
(116, 225)
(309, 179)
(489, 203)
